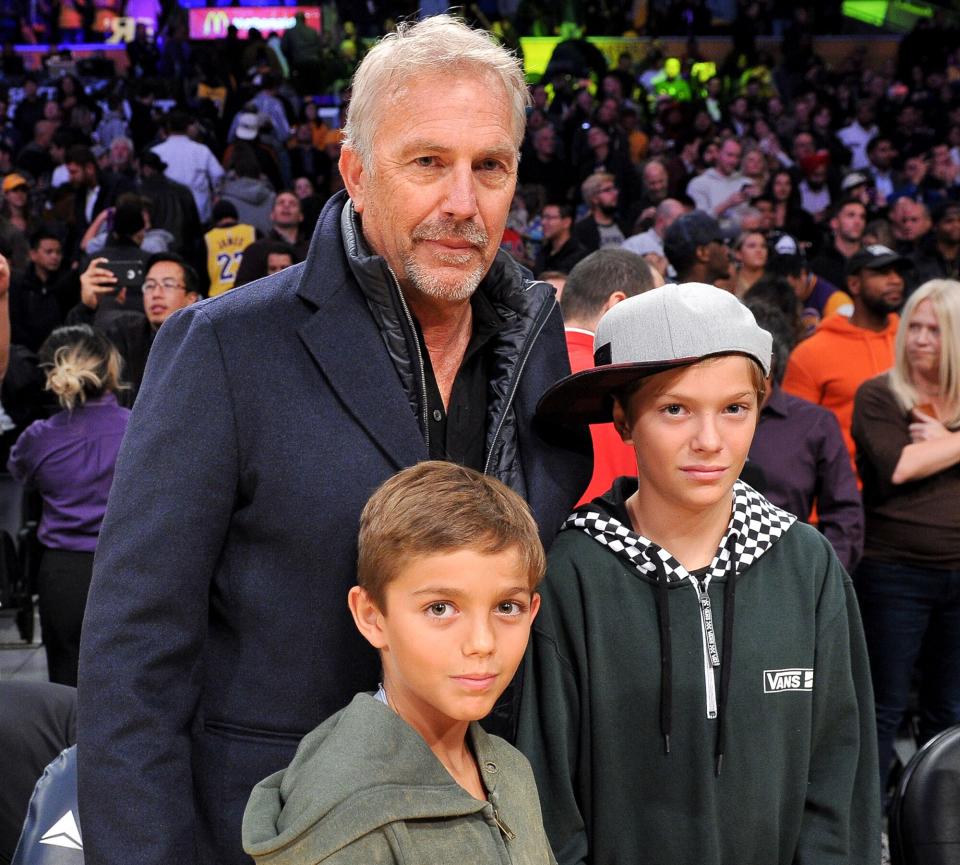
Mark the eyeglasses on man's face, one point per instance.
(167, 286)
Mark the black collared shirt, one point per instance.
(458, 434)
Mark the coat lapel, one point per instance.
(345, 342)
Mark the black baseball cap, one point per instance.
(875, 257)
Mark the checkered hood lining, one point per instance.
(755, 523)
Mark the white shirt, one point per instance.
(882, 182)
(88, 205)
(60, 176)
(855, 138)
(641, 244)
(712, 188)
(814, 201)
(193, 165)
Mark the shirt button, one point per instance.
(437, 416)
(490, 766)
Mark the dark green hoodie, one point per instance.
(365, 789)
(768, 714)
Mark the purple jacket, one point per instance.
(799, 447)
(69, 459)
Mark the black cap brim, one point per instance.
(882, 262)
(586, 397)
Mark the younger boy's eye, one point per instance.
(440, 610)
(673, 409)
(510, 608)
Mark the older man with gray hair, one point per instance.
(217, 632)
(649, 243)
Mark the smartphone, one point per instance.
(129, 274)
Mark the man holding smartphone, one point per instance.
(720, 191)
(170, 284)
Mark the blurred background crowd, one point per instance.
(152, 153)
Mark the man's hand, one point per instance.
(735, 200)
(95, 282)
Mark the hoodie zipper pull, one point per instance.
(711, 657)
(505, 830)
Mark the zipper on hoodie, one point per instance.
(538, 326)
(423, 375)
(711, 657)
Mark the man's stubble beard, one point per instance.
(429, 283)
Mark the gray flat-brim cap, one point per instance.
(667, 327)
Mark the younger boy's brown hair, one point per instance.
(440, 507)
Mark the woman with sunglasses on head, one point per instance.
(906, 424)
(69, 459)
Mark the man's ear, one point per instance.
(354, 176)
(614, 298)
(367, 617)
(853, 285)
(703, 254)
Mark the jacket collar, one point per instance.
(755, 526)
(358, 304)
(347, 345)
(360, 770)
(777, 403)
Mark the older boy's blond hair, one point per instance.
(440, 507)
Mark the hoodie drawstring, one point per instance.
(726, 659)
(652, 555)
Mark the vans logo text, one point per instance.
(795, 679)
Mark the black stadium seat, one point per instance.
(925, 814)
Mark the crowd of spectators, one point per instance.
(821, 195)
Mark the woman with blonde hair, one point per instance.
(906, 424)
(750, 254)
(69, 459)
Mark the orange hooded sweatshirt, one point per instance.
(828, 367)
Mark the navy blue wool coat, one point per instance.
(217, 632)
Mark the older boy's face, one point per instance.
(691, 430)
(454, 632)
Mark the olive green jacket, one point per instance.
(365, 788)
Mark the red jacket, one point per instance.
(612, 457)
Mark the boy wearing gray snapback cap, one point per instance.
(696, 690)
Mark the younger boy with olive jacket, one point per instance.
(448, 565)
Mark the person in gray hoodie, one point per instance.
(448, 564)
(250, 193)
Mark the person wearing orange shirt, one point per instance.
(843, 353)
(598, 283)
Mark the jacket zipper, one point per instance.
(423, 375)
(538, 326)
(711, 657)
(505, 830)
